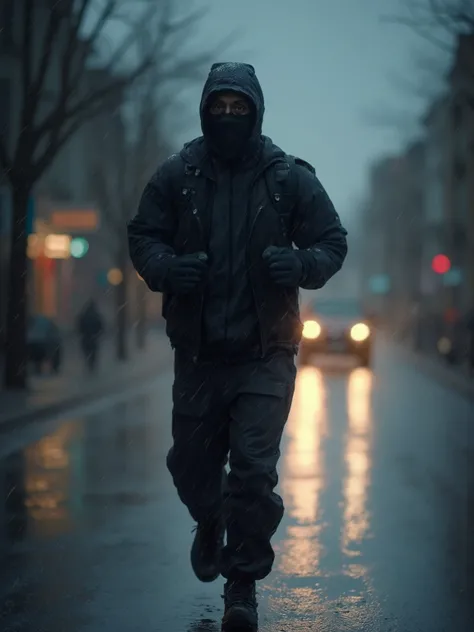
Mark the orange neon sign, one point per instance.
(75, 219)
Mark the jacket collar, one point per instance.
(196, 156)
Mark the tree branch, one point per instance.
(60, 135)
(37, 86)
(423, 30)
(89, 42)
(453, 17)
(127, 42)
(26, 58)
(64, 111)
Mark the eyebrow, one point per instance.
(221, 100)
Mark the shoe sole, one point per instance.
(205, 579)
(208, 579)
(235, 626)
(238, 625)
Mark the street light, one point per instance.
(114, 276)
(57, 246)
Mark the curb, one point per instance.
(42, 413)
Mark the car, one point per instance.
(44, 343)
(336, 326)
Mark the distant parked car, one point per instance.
(336, 326)
(45, 343)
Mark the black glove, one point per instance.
(185, 273)
(284, 266)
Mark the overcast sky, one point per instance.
(323, 65)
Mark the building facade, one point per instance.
(462, 210)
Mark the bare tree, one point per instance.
(58, 39)
(445, 25)
(449, 26)
(424, 86)
(139, 143)
(438, 21)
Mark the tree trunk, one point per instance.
(142, 313)
(16, 358)
(121, 294)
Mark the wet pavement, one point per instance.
(377, 475)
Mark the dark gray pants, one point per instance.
(237, 413)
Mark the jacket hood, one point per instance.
(237, 77)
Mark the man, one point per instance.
(90, 328)
(214, 232)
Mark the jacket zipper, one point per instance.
(231, 257)
(201, 300)
(252, 285)
(259, 210)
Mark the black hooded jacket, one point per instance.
(196, 202)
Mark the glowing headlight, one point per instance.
(311, 329)
(360, 332)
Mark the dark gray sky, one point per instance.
(323, 64)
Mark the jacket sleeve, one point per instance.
(151, 232)
(317, 232)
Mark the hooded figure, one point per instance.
(233, 137)
(228, 230)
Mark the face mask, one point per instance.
(229, 134)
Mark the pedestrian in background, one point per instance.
(229, 229)
(90, 328)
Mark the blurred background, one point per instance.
(377, 95)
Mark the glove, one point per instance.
(186, 272)
(284, 266)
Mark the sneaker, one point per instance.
(240, 603)
(206, 550)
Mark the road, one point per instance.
(377, 477)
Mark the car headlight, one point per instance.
(360, 332)
(311, 329)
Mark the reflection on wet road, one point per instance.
(376, 475)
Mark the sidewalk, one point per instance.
(454, 378)
(49, 394)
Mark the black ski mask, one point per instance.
(233, 137)
(229, 134)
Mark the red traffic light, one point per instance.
(441, 264)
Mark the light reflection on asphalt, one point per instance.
(93, 538)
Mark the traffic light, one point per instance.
(441, 264)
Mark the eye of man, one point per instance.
(239, 108)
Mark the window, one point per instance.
(346, 308)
